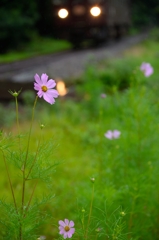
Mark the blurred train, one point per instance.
(78, 20)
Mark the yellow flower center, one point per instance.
(67, 228)
(44, 88)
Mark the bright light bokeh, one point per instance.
(63, 13)
(61, 88)
(95, 11)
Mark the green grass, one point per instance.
(38, 46)
(125, 169)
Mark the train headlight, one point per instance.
(63, 13)
(95, 11)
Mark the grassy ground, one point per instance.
(125, 202)
(38, 46)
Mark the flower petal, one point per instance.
(62, 231)
(116, 134)
(65, 235)
(37, 79)
(40, 93)
(69, 235)
(48, 98)
(51, 83)
(61, 223)
(37, 86)
(44, 78)
(72, 230)
(71, 224)
(66, 222)
(53, 92)
(109, 134)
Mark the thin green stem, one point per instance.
(17, 114)
(10, 183)
(35, 158)
(27, 151)
(25, 161)
(90, 213)
(31, 197)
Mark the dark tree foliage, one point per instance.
(45, 20)
(20, 19)
(17, 22)
(145, 12)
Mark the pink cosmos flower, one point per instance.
(147, 69)
(112, 134)
(66, 228)
(103, 95)
(45, 88)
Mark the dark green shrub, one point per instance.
(17, 23)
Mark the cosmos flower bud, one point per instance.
(42, 126)
(14, 94)
(122, 214)
(83, 210)
(92, 179)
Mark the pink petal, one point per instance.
(48, 97)
(62, 223)
(109, 135)
(71, 224)
(116, 134)
(69, 235)
(72, 230)
(37, 79)
(65, 235)
(62, 231)
(53, 92)
(142, 67)
(40, 93)
(66, 222)
(44, 78)
(51, 83)
(37, 86)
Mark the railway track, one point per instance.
(64, 65)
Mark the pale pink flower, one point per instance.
(103, 95)
(45, 88)
(147, 69)
(66, 228)
(112, 134)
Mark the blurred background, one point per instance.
(21, 22)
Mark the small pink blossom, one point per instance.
(66, 228)
(45, 88)
(103, 95)
(147, 69)
(112, 134)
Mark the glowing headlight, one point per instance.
(95, 11)
(62, 13)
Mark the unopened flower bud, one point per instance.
(42, 126)
(92, 179)
(14, 94)
(83, 210)
(122, 214)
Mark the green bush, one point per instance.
(17, 23)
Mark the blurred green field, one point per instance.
(126, 198)
(38, 46)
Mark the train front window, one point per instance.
(77, 1)
(59, 2)
(95, 1)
